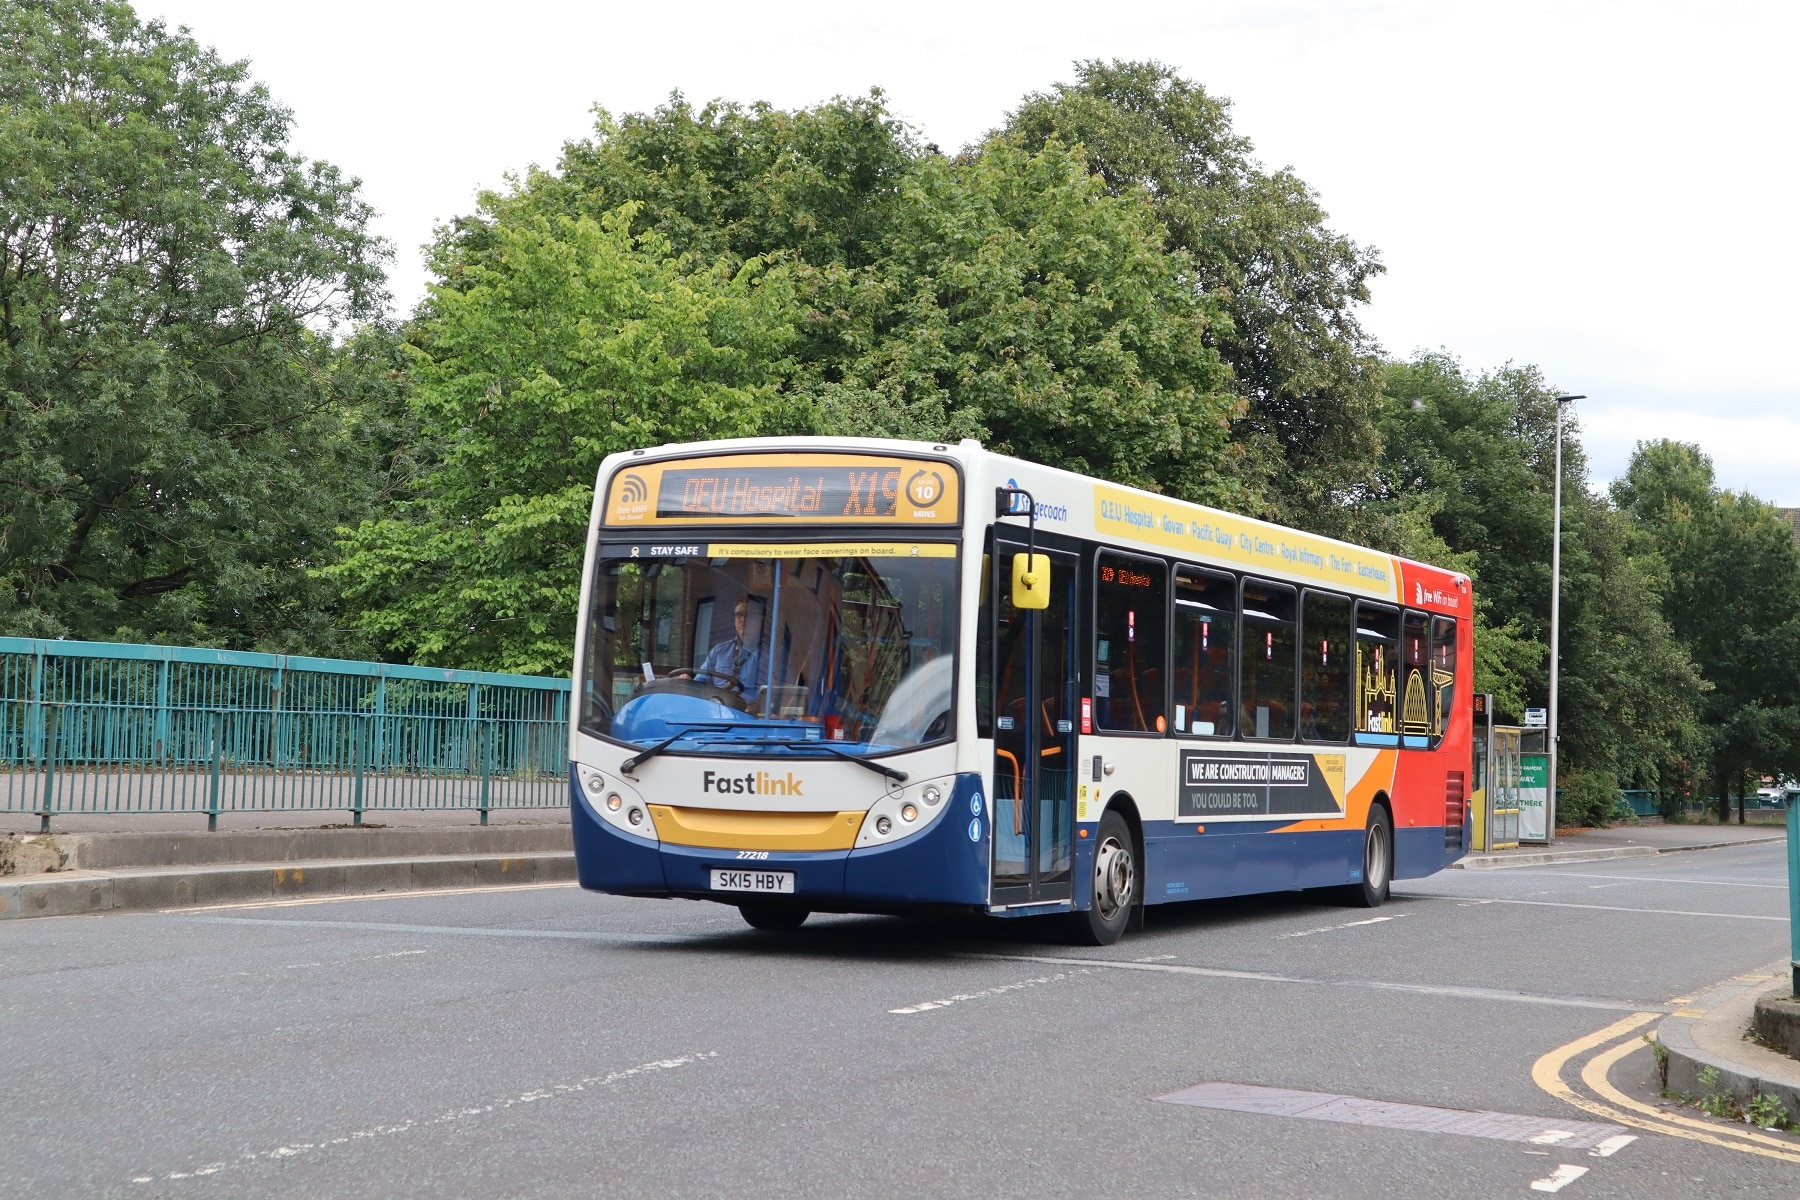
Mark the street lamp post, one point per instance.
(1555, 622)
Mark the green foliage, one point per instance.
(1767, 1112)
(1258, 242)
(560, 340)
(736, 288)
(1013, 300)
(1483, 450)
(1733, 599)
(1002, 295)
(177, 425)
(1587, 797)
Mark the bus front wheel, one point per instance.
(776, 918)
(1116, 886)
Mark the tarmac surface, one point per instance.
(544, 1041)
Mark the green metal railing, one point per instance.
(96, 727)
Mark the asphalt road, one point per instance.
(547, 1042)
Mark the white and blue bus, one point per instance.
(859, 675)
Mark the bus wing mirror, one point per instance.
(1031, 581)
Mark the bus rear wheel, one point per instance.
(1116, 886)
(1377, 862)
(776, 918)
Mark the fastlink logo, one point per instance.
(752, 783)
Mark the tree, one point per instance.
(1001, 294)
(176, 434)
(1483, 451)
(1259, 245)
(1733, 599)
(1013, 300)
(553, 341)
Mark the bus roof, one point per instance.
(1087, 507)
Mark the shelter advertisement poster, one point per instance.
(1534, 778)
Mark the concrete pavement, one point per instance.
(63, 874)
(1624, 841)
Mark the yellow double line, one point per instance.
(1603, 1099)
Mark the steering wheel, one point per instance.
(736, 685)
(681, 682)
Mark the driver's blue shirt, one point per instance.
(731, 662)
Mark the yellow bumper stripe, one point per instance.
(728, 829)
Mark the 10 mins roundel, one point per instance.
(925, 488)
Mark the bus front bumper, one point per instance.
(945, 864)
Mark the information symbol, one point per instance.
(925, 488)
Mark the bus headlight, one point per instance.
(883, 826)
(933, 794)
(594, 783)
(635, 816)
(613, 801)
(909, 813)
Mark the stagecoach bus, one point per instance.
(858, 675)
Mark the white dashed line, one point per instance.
(964, 997)
(296, 1149)
(1612, 1145)
(1558, 1179)
(1334, 928)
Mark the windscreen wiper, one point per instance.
(643, 756)
(897, 776)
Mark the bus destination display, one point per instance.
(788, 489)
(779, 492)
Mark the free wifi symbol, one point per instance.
(633, 491)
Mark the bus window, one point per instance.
(1377, 675)
(1266, 708)
(1415, 667)
(1205, 641)
(1325, 668)
(1443, 675)
(1130, 616)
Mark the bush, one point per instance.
(1589, 797)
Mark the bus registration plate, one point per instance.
(752, 881)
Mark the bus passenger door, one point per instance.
(1035, 712)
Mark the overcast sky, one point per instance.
(1604, 189)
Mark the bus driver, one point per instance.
(738, 661)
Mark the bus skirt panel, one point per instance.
(945, 864)
(607, 860)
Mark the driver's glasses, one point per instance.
(793, 641)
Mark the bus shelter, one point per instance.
(1508, 796)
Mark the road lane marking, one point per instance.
(421, 894)
(296, 1149)
(964, 997)
(571, 935)
(1596, 1075)
(1423, 989)
(1651, 879)
(1558, 1179)
(1384, 1114)
(1335, 928)
(1612, 1146)
(1547, 1074)
(1663, 912)
(344, 962)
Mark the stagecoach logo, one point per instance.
(1043, 512)
(1258, 785)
